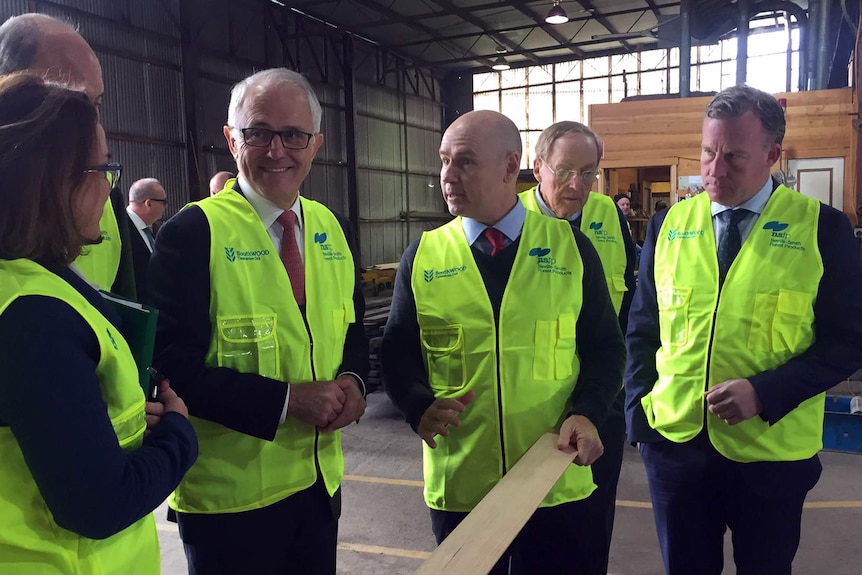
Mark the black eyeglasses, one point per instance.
(161, 200)
(262, 138)
(112, 173)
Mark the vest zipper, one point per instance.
(500, 397)
(709, 353)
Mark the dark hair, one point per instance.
(620, 196)
(737, 100)
(47, 133)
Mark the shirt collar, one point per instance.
(754, 204)
(511, 224)
(548, 211)
(136, 219)
(266, 210)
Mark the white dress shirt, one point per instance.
(140, 226)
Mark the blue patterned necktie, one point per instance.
(731, 241)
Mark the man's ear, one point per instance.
(231, 141)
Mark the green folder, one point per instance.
(139, 330)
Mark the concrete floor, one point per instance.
(385, 529)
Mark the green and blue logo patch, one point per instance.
(780, 237)
(546, 263)
(329, 254)
(675, 234)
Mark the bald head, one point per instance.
(53, 49)
(499, 133)
(481, 157)
(218, 181)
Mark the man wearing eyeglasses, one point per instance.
(501, 329)
(261, 330)
(566, 167)
(46, 46)
(147, 202)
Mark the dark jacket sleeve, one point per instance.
(642, 340)
(404, 375)
(631, 284)
(56, 412)
(837, 350)
(600, 345)
(124, 283)
(179, 287)
(355, 355)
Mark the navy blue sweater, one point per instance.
(50, 398)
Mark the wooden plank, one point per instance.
(479, 541)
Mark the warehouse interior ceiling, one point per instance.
(450, 35)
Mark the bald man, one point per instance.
(501, 327)
(218, 181)
(51, 48)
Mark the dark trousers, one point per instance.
(296, 535)
(697, 494)
(601, 505)
(554, 540)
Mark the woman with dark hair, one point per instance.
(78, 479)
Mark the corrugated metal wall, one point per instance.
(139, 43)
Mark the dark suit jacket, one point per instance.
(140, 258)
(179, 286)
(124, 283)
(834, 355)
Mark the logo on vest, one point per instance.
(547, 264)
(329, 254)
(105, 236)
(244, 256)
(432, 274)
(600, 234)
(781, 238)
(675, 234)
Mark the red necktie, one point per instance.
(290, 255)
(496, 239)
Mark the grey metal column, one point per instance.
(742, 41)
(812, 41)
(825, 45)
(350, 131)
(685, 49)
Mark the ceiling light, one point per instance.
(500, 64)
(556, 15)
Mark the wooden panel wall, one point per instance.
(819, 125)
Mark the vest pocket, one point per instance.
(673, 304)
(248, 345)
(444, 356)
(777, 323)
(554, 345)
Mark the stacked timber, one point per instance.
(376, 314)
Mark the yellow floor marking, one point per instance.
(833, 505)
(384, 480)
(377, 550)
(620, 502)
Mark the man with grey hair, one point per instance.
(746, 312)
(566, 167)
(501, 329)
(261, 331)
(147, 202)
(49, 47)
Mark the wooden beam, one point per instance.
(479, 541)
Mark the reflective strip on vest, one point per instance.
(525, 370)
(99, 263)
(764, 317)
(600, 222)
(31, 542)
(257, 327)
